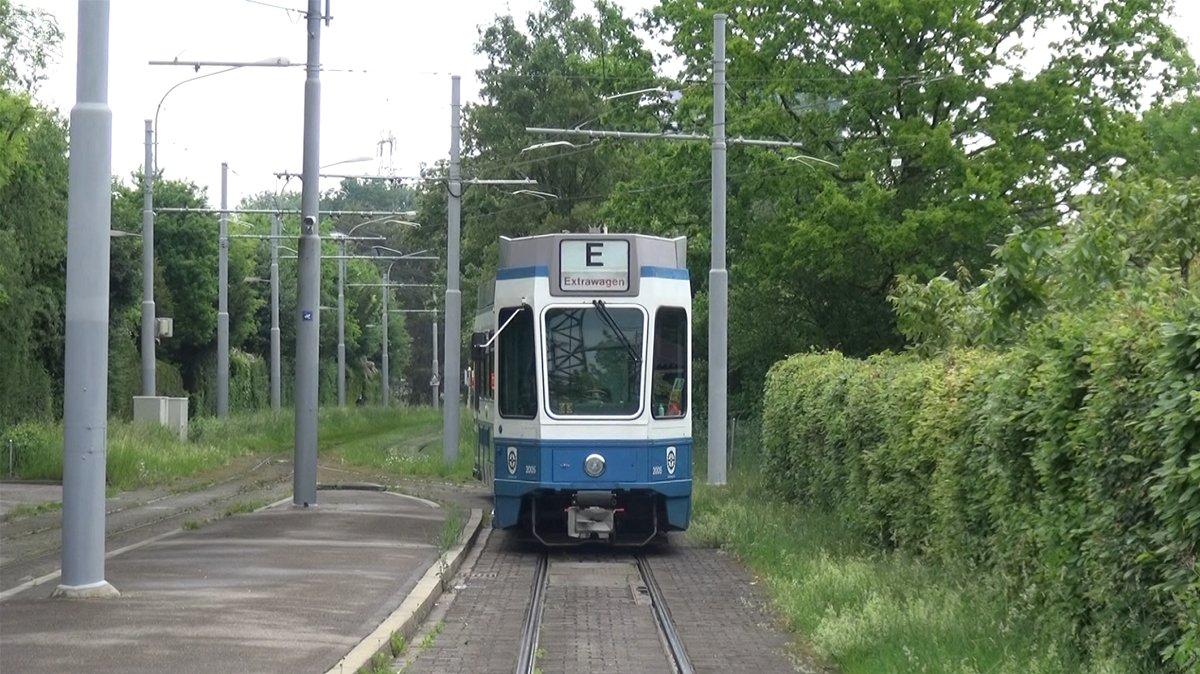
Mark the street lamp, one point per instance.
(223, 295)
(308, 281)
(807, 160)
(387, 283)
(85, 378)
(551, 143)
(399, 255)
(434, 379)
(274, 62)
(356, 160)
(276, 348)
(388, 221)
(340, 238)
(387, 384)
(652, 90)
(453, 332)
(223, 299)
(453, 305)
(149, 377)
(434, 382)
(535, 193)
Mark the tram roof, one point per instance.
(645, 250)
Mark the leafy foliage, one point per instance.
(556, 72)
(1068, 466)
(1052, 436)
(33, 218)
(1141, 231)
(27, 39)
(944, 133)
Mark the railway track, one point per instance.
(662, 617)
(527, 656)
(530, 652)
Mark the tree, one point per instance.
(27, 39)
(185, 254)
(943, 134)
(408, 358)
(362, 304)
(33, 190)
(555, 71)
(33, 226)
(1173, 134)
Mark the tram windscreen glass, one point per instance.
(590, 369)
(517, 374)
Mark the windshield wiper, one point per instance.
(612, 323)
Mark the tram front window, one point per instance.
(591, 368)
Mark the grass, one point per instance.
(433, 634)
(447, 538)
(380, 664)
(245, 507)
(398, 644)
(401, 441)
(30, 509)
(413, 448)
(451, 529)
(867, 612)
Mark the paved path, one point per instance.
(285, 589)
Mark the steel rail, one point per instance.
(527, 657)
(662, 616)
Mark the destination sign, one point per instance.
(590, 266)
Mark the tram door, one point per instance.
(482, 401)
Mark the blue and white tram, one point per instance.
(579, 380)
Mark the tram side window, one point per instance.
(481, 368)
(516, 377)
(669, 386)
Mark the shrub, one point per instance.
(1068, 464)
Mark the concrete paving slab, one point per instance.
(283, 589)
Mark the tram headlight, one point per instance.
(594, 465)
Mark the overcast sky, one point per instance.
(388, 66)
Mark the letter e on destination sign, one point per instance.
(591, 266)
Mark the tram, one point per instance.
(579, 384)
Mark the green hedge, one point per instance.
(1068, 466)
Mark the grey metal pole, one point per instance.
(85, 395)
(453, 294)
(341, 346)
(148, 332)
(308, 333)
(275, 347)
(223, 299)
(433, 377)
(718, 276)
(387, 383)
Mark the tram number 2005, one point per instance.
(531, 469)
(656, 470)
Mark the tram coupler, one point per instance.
(591, 512)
